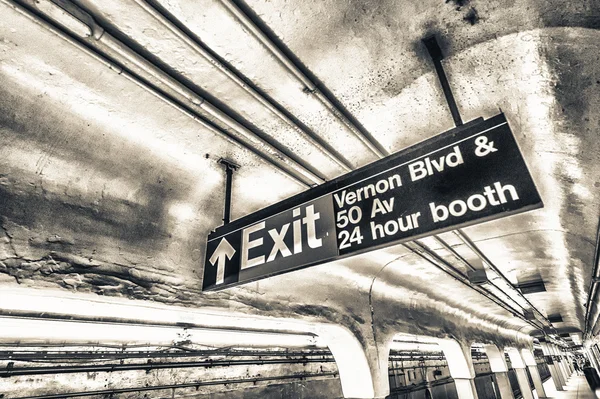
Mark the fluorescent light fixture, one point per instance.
(415, 346)
(30, 330)
(531, 287)
(555, 318)
(477, 277)
(529, 314)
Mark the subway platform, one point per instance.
(576, 388)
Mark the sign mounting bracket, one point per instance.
(229, 168)
(435, 52)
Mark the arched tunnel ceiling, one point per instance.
(108, 188)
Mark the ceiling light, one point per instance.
(477, 277)
(531, 287)
(555, 318)
(529, 314)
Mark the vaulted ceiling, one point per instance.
(113, 116)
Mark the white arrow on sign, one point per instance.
(224, 250)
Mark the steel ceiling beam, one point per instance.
(128, 63)
(177, 28)
(310, 86)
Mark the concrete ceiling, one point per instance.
(112, 122)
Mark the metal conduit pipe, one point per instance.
(301, 76)
(184, 385)
(19, 355)
(174, 27)
(469, 243)
(454, 253)
(455, 273)
(440, 259)
(151, 78)
(593, 291)
(441, 264)
(17, 371)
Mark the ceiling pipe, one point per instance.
(111, 367)
(174, 26)
(427, 254)
(310, 86)
(469, 243)
(454, 253)
(148, 71)
(472, 268)
(133, 66)
(477, 288)
(457, 275)
(450, 270)
(20, 352)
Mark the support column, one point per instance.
(569, 363)
(563, 363)
(595, 353)
(592, 358)
(363, 370)
(531, 364)
(460, 366)
(519, 366)
(552, 367)
(559, 365)
(500, 370)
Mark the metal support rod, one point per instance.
(62, 369)
(18, 354)
(229, 168)
(435, 52)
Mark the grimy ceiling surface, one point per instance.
(111, 130)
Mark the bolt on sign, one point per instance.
(470, 174)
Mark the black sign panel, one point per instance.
(467, 175)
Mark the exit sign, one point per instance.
(467, 175)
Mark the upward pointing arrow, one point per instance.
(224, 250)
